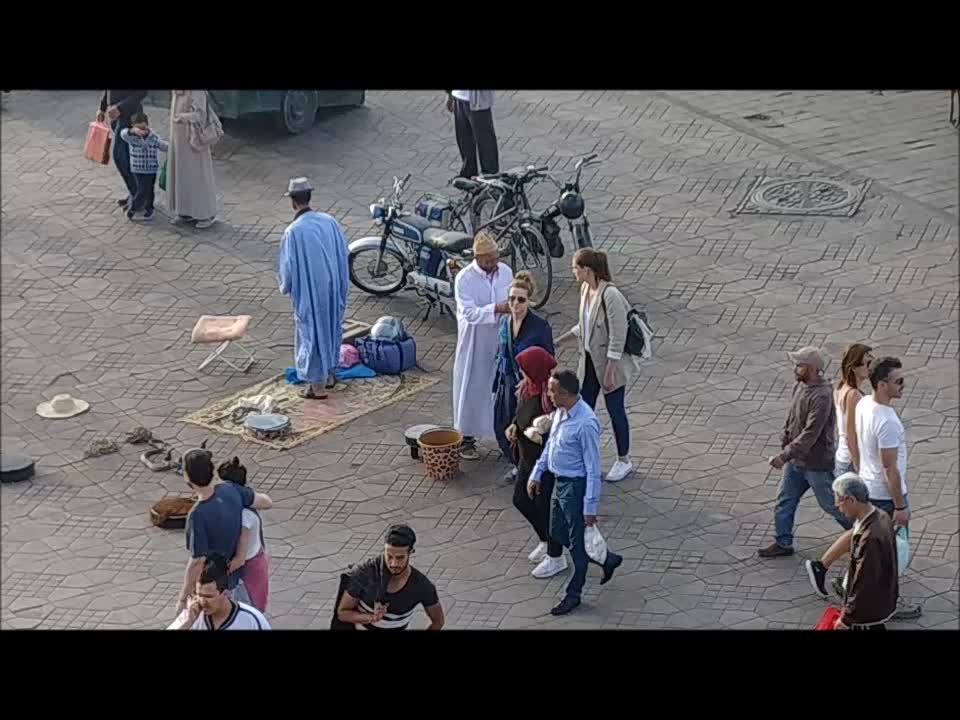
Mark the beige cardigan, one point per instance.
(604, 346)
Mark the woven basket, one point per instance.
(440, 451)
(171, 513)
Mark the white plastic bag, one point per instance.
(903, 551)
(596, 545)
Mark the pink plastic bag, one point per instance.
(97, 145)
(349, 356)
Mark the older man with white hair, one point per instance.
(872, 586)
(808, 444)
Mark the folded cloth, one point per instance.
(355, 372)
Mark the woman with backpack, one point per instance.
(520, 329)
(601, 333)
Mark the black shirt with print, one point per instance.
(368, 584)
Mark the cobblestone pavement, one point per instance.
(102, 308)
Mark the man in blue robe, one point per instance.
(312, 269)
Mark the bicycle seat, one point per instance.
(465, 184)
(447, 240)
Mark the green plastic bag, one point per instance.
(162, 180)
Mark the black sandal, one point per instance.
(309, 394)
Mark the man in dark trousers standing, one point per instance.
(473, 118)
(119, 106)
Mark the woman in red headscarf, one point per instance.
(535, 366)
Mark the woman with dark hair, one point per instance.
(527, 433)
(520, 329)
(251, 557)
(601, 333)
(854, 369)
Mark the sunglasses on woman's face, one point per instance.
(517, 299)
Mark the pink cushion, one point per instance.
(349, 356)
(218, 328)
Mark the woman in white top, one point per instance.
(854, 370)
(251, 553)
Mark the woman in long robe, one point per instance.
(519, 330)
(191, 192)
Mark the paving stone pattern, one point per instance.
(102, 308)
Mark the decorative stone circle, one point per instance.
(813, 195)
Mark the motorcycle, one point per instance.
(570, 204)
(410, 253)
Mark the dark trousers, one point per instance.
(614, 402)
(504, 409)
(537, 511)
(476, 136)
(143, 195)
(567, 526)
(121, 156)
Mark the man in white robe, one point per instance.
(481, 291)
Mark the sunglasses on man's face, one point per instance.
(517, 299)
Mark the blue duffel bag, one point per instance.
(387, 357)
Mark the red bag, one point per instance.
(97, 145)
(828, 619)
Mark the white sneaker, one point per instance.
(619, 471)
(549, 567)
(539, 553)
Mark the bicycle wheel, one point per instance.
(529, 252)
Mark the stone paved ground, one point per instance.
(102, 308)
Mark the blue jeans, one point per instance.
(614, 402)
(121, 158)
(796, 481)
(567, 527)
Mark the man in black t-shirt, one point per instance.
(383, 592)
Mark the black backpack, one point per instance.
(639, 332)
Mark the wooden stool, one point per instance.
(226, 330)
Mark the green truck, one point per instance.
(293, 111)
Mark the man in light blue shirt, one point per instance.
(572, 454)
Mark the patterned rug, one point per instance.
(349, 400)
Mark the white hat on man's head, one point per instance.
(298, 185)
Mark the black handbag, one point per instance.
(639, 332)
(335, 622)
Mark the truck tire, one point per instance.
(298, 111)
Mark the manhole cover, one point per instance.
(803, 196)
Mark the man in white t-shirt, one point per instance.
(212, 608)
(883, 452)
(882, 441)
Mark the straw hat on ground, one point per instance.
(62, 406)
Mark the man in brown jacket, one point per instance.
(872, 586)
(808, 448)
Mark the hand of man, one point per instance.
(590, 520)
(113, 112)
(451, 103)
(511, 433)
(609, 376)
(776, 462)
(901, 518)
(235, 565)
(502, 308)
(193, 608)
(379, 610)
(532, 489)
(101, 116)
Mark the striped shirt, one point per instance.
(368, 584)
(242, 617)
